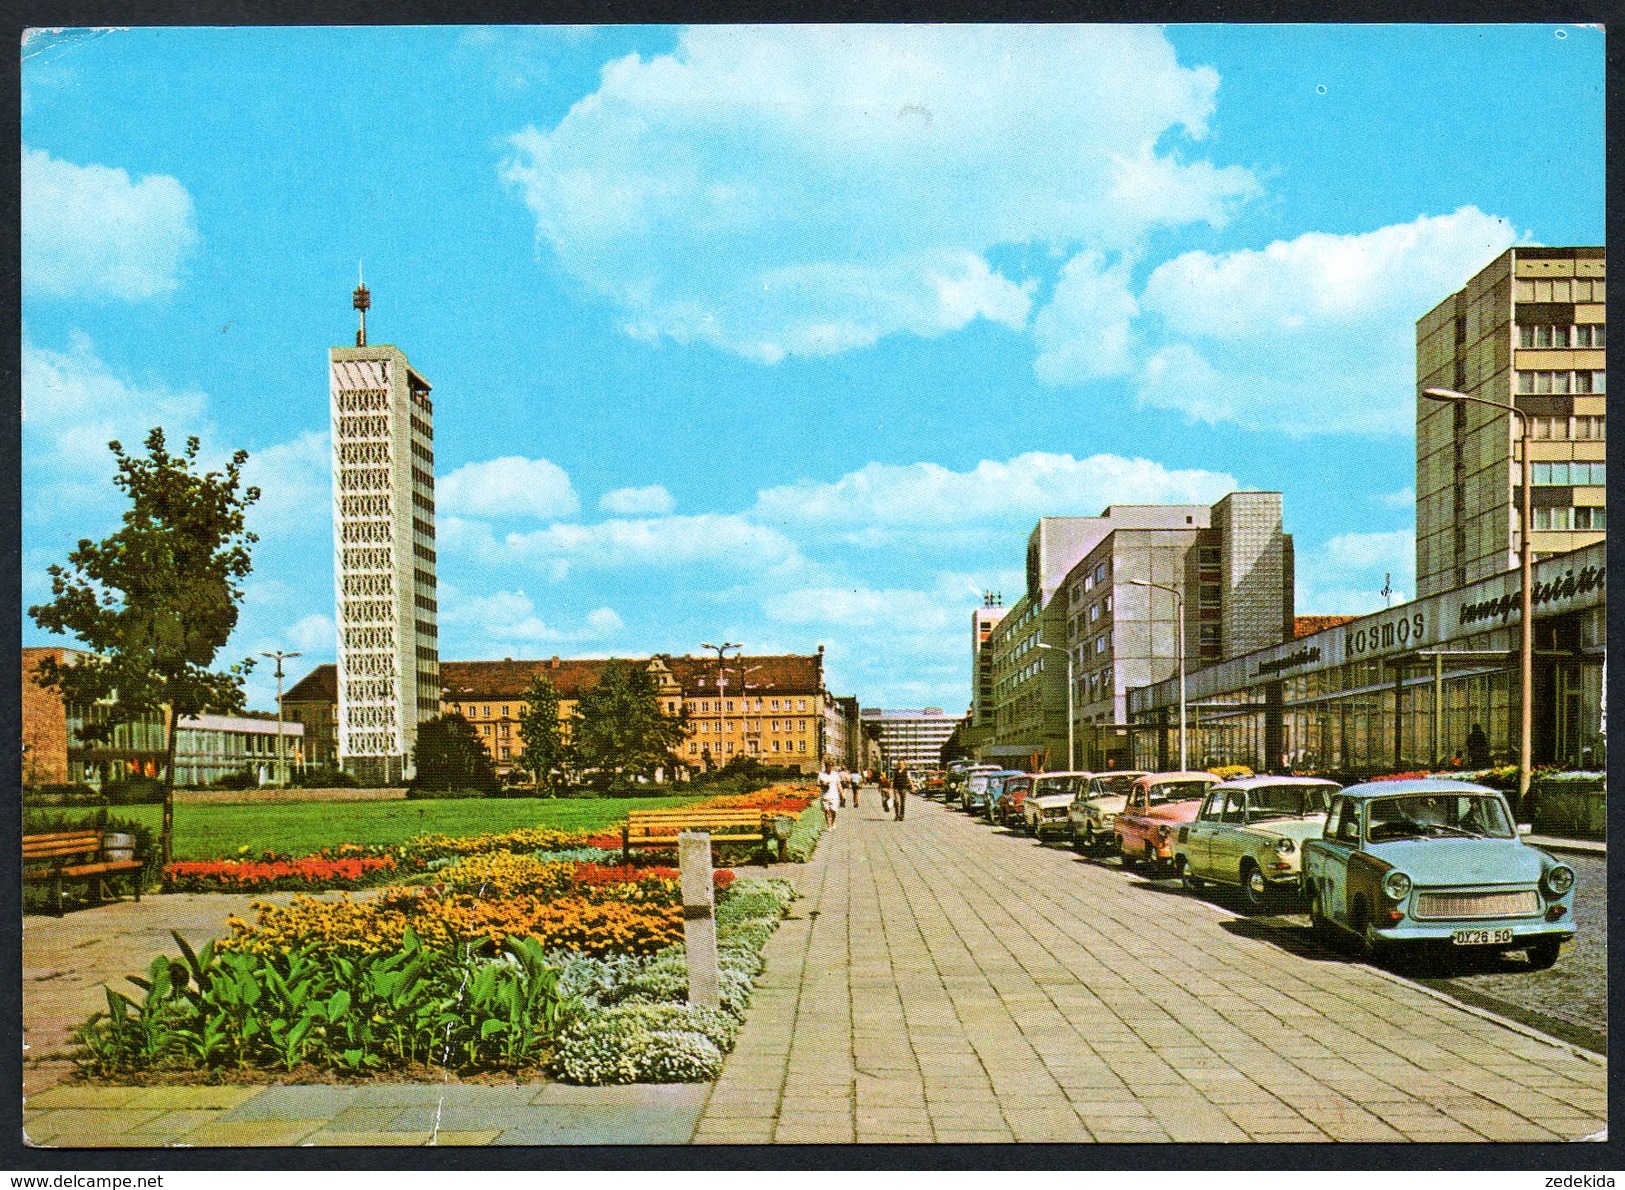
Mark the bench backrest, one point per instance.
(61, 843)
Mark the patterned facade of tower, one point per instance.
(384, 559)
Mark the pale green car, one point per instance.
(1095, 809)
(1250, 832)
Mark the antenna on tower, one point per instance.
(361, 299)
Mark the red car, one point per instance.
(1158, 805)
(1006, 808)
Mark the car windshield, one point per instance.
(1286, 801)
(1119, 784)
(1176, 791)
(1052, 785)
(1437, 816)
(1017, 785)
(978, 783)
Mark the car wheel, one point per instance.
(1255, 890)
(1544, 953)
(1153, 864)
(1187, 876)
(1318, 921)
(1082, 843)
(1371, 947)
(1126, 856)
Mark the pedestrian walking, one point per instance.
(885, 794)
(849, 781)
(900, 787)
(830, 782)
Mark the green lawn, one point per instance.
(212, 831)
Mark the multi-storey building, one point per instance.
(912, 737)
(1232, 566)
(1528, 329)
(383, 555)
(772, 708)
(207, 747)
(984, 619)
(843, 731)
(1029, 686)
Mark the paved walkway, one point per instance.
(946, 982)
(939, 982)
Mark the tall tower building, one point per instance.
(1528, 329)
(384, 557)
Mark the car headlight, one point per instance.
(1396, 885)
(1285, 846)
(1559, 880)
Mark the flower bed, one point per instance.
(310, 874)
(357, 988)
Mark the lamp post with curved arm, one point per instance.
(1179, 647)
(1526, 568)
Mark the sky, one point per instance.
(779, 335)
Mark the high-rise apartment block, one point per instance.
(1528, 329)
(911, 737)
(384, 556)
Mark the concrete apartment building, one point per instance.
(1529, 329)
(1028, 697)
(388, 677)
(1234, 568)
(979, 722)
(912, 737)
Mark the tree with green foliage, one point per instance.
(620, 730)
(545, 753)
(155, 602)
(449, 756)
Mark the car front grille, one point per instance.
(1055, 812)
(1523, 902)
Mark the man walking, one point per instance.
(830, 784)
(900, 787)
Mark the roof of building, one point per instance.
(936, 714)
(319, 685)
(1309, 625)
(799, 672)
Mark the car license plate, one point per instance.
(1481, 937)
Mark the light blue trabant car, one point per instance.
(1435, 861)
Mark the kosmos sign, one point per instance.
(1396, 633)
(1567, 585)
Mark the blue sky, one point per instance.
(781, 335)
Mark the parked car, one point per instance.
(1005, 795)
(959, 777)
(1158, 805)
(1250, 833)
(1094, 810)
(1407, 862)
(973, 798)
(1044, 810)
(932, 782)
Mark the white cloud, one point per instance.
(296, 486)
(1346, 574)
(73, 406)
(90, 231)
(1083, 334)
(634, 501)
(1402, 498)
(1311, 334)
(314, 635)
(793, 190)
(511, 486)
(864, 607)
(884, 496)
(510, 616)
(655, 542)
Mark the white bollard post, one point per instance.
(699, 922)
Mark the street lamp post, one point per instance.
(1179, 647)
(279, 657)
(722, 681)
(1071, 752)
(1526, 568)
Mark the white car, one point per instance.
(1043, 810)
(1093, 812)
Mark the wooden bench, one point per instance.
(50, 858)
(657, 829)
